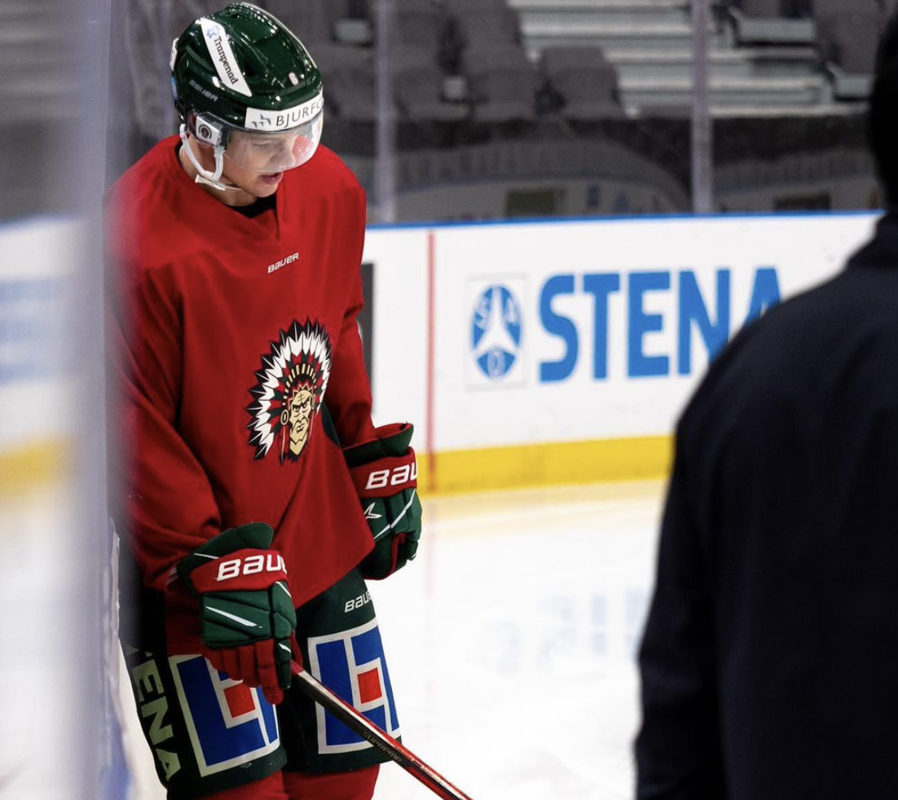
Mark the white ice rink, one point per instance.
(511, 643)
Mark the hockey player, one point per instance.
(257, 493)
(768, 657)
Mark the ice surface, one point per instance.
(510, 643)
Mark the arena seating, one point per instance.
(585, 82)
(848, 33)
(418, 22)
(474, 76)
(308, 19)
(767, 22)
(778, 54)
(485, 22)
(418, 87)
(502, 83)
(349, 75)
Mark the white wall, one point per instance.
(38, 260)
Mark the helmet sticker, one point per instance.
(223, 56)
(259, 120)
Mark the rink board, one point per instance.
(563, 352)
(38, 331)
(525, 353)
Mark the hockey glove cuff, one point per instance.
(385, 474)
(246, 611)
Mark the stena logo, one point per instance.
(496, 331)
(381, 478)
(251, 565)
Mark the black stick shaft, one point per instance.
(359, 723)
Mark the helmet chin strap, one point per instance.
(204, 176)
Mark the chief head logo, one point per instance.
(289, 391)
(496, 331)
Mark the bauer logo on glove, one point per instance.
(386, 478)
(251, 565)
(385, 474)
(247, 616)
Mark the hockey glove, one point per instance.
(385, 475)
(246, 611)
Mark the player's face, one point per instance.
(259, 173)
(300, 419)
(257, 162)
(254, 163)
(245, 186)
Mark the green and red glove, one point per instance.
(246, 611)
(385, 475)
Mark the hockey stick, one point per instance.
(361, 725)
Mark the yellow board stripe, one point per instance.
(451, 472)
(646, 458)
(35, 465)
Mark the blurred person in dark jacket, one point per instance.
(768, 662)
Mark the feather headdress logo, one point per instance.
(289, 390)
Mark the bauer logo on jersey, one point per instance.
(289, 390)
(228, 722)
(352, 664)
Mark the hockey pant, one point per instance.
(211, 735)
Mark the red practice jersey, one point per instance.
(228, 334)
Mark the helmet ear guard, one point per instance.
(206, 130)
(210, 133)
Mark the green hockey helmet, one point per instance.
(244, 85)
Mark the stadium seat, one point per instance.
(418, 87)
(761, 8)
(585, 82)
(848, 37)
(485, 23)
(462, 6)
(424, 23)
(773, 22)
(502, 83)
(351, 21)
(791, 9)
(849, 33)
(307, 19)
(797, 9)
(349, 81)
(417, 22)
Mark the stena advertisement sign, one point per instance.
(679, 305)
(531, 335)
